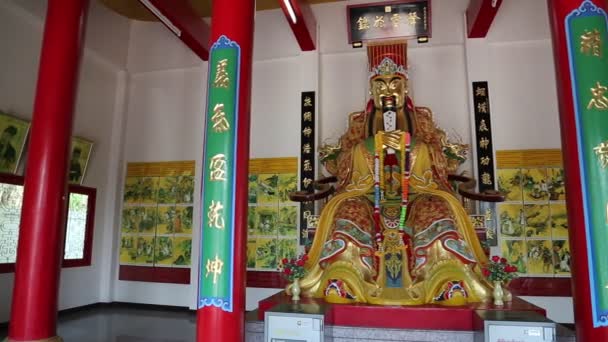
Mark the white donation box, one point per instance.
(513, 326)
(294, 323)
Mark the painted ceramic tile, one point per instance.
(288, 218)
(515, 251)
(266, 254)
(561, 257)
(268, 189)
(559, 221)
(128, 249)
(141, 190)
(287, 248)
(251, 252)
(253, 189)
(183, 220)
(182, 251)
(537, 221)
(139, 219)
(266, 221)
(163, 250)
(557, 188)
(251, 221)
(509, 183)
(145, 250)
(166, 220)
(167, 188)
(540, 257)
(288, 182)
(511, 220)
(535, 185)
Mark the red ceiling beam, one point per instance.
(182, 20)
(480, 15)
(302, 22)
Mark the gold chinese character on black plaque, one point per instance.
(306, 148)
(307, 131)
(307, 101)
(412, 18)
(379, 22)
(486, 178)
(483, 127)
(482, 107)
(307, 165)
(307, 116)
(306, 182)
(484, 161)
(480, 91)
(362, 24)
(484, 142)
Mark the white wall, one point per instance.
(167, 78)
(95, 111)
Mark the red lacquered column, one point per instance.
(41, 236)
(222, 268)
(580, 63)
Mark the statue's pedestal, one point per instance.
(428, 317)
(361, 322)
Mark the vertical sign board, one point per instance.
(483, 131)
(219, 163)
(307, 160)
(587, 34)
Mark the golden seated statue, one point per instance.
(394, 232)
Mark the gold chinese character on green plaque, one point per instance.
(215, 216)
(598, 98)
(214, 267)
(217, 168)
(601, 151)
(220, 123)
(591, 43)
(221, 75)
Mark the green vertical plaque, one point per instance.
(219, 162)
(587, 36)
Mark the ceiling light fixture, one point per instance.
(162, 17)
(292, 13)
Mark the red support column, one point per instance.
(222, 276)
(42, 230)
(579, 29)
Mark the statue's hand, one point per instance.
(393, 139)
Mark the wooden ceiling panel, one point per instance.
(133, 9)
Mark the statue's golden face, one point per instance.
(389, 85)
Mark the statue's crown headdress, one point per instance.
(387, 58)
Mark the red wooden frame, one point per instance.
(387, 3)
(90, 224)
(480, 15)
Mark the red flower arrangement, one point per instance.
(498, 269)
(294, 268)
